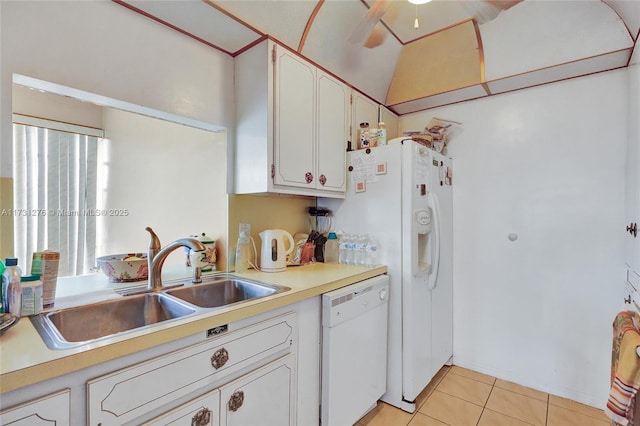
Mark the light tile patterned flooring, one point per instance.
(462, 397)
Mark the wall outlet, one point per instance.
(246, 227)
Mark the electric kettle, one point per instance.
(273, 256)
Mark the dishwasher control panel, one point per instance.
(348, 302)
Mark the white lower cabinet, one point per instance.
(52, 409)
(146, 388)
(263, 397)
(203, 411)
(260, 370)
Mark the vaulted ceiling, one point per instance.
(519, 43)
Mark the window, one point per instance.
(55, 175)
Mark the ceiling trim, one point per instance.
(235, 18)
(455, 24)
(406, 107)
(483, 79)
(250, 45)
(307, 28)
(633, 48)
(167, 24)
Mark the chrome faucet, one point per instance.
(156, 256)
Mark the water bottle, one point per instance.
(351, 249)
(242, 252)
(331, 248)
(372, 252)
(11, 288)
(343, 254)
(359, 249)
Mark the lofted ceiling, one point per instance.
(520, 43)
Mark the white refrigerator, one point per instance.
(401, 194)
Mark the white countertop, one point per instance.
(25, 359)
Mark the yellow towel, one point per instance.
(625, 368)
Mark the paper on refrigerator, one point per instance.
(364, 168)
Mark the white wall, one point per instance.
(103, 48)
(546, 163)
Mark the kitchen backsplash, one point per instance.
(266, 212)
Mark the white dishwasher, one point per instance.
(354, 350)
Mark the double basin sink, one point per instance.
(98, 322)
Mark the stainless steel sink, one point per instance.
(100, 323)
(68, 327)
(225, 291)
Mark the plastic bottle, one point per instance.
(360, 250)
(31, 295)
(372, 252)
(350, 248)
(331, 248)
(1, 290)
(242, 252)
(343, 249)
(11, 288)
(382, 134)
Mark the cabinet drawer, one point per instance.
(126, 394)
(203, 411)
(51, 409)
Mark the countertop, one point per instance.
(26, 360)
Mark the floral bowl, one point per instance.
(122, 268)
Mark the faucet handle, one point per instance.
(155, 241)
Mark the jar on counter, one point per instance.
(31, 294)
(206, 259)
(364, 137)
(331, 249)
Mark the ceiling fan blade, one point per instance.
(366, 25)
(487, 10)
(503, 4)
(376, 37)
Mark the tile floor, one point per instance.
(460, 397)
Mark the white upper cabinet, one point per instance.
(292, 125)
(390, 121)
(363, 110)
(295, 109)
(333, 131)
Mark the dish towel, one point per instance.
(625, 368)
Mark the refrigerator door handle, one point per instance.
(435, 252)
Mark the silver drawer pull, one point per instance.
(219, 358)
(236, 400)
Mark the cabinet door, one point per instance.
(135, 391)
(294, 115)
(364, 110)
(263, 397)
(391, 122)
(633, 177)
(333, 132)
(202, 411)
(49, 410)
